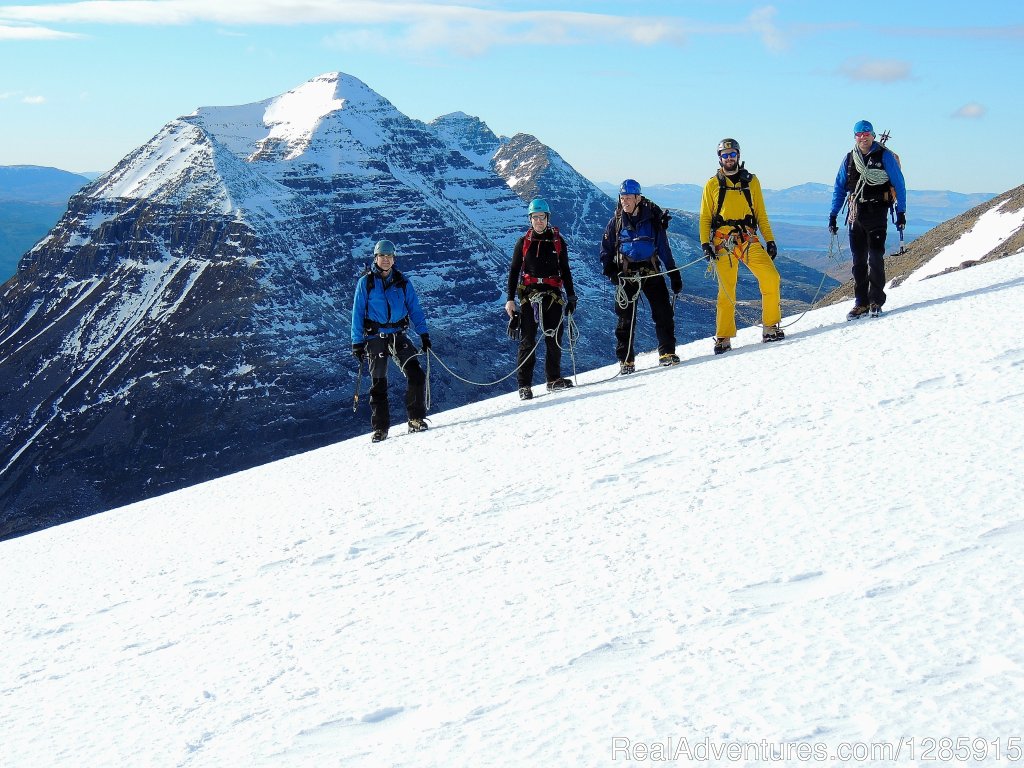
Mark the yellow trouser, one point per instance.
(750, 252)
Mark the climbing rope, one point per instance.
(622, 299)
(544, 333)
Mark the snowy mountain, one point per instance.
(189, 315)
(810, 552)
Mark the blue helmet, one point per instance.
(384, 246)
(863, 125)
(629, 187)
(538, 205)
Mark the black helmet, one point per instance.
(728, 144)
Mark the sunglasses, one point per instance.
(861, 134)
(729, 155)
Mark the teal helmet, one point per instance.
(862, 126)
(384, 246)
(629, 187)
(538, 205)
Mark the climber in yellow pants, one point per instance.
(731, 213)
(749, 251)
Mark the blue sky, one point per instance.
(643, 90)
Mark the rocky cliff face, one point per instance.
(189, 315)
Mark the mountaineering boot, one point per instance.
(558, 384)
(525, 393)
(856, 312)
(627, 366)
(668, 359)
(417, 425)
(722, 345)
(772, 333)
(378, 435)
(876, 310)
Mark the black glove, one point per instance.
(359, 351)
(833, 227)
(425, 339)
(611, 270)
(773, 250)
(901, 220)
(570, 304)
(709, 252)
(676, 281)
(514, 332)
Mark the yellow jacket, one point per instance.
(734, 206)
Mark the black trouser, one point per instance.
(548, 312)
(656, 291)
(379, 349)
(867, 246)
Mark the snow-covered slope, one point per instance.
(811, 548)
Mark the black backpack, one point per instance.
(661, 216)
(750, 220)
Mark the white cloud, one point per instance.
(18, 32)
(426, 25)
(762, 21)
(33, 100)
(469, 27)
(876, 70)
(972, 110)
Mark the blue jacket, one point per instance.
(638, 237)
(389, 307)
(876, 155)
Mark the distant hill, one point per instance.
(32, 200)
(38, 184)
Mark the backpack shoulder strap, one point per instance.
(368, 274)
(660, 216)
(528, 241)
(745, 177)
(717, 215)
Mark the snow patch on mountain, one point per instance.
(186, 168)
(294, 116)
(992, 228)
